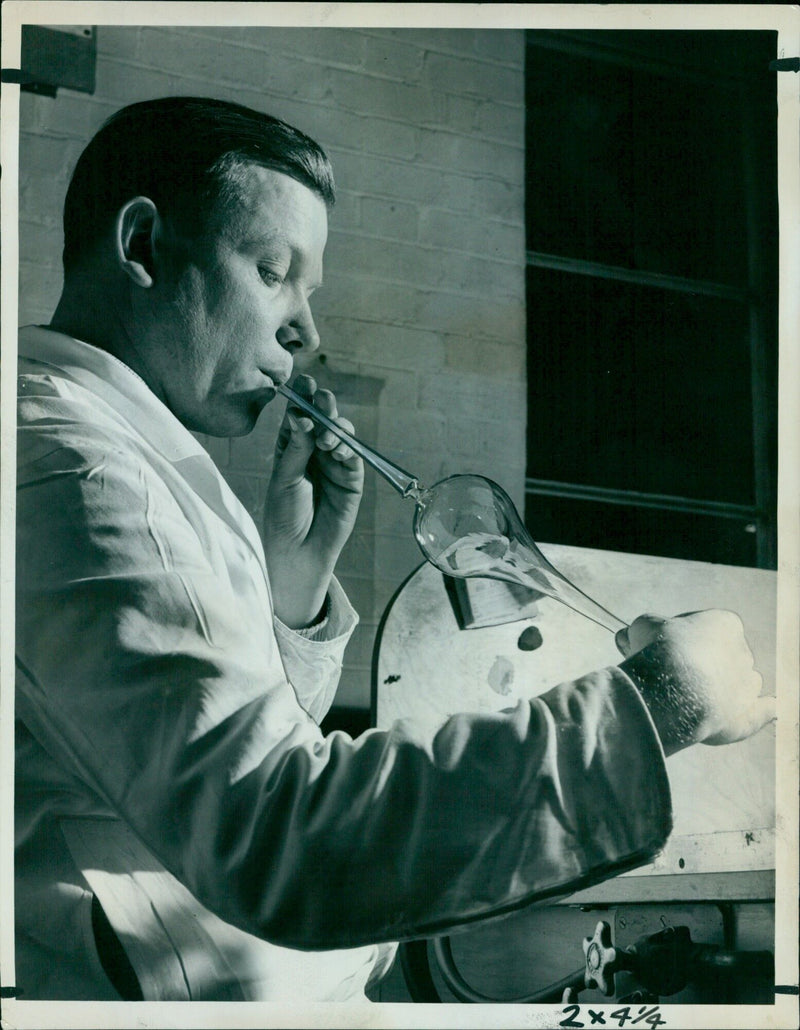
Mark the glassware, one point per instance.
(467, 525)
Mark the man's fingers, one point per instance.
(639, 634)
(763, 712)
(622, 642)
(295, 447)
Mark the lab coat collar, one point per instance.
(107, 376)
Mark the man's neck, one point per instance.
(79, 314)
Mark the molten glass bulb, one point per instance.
(468, 526)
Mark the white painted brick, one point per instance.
(390, 218)
(477, 235)
(282, 76)
(31, 108)
(213, 59)
(372, 302)
(185, 84)
(385, 97)
(501, 121)
(415, 430)
(75, 116)
(472, 154)
(360, 589)
(428, 467)
(122, 83)
(229, 33)
(498, 319)
(347, 131)
(369, 256)
(396, 557)
(481, 276)
(39, 290)
(394, 58)
(380, 177)
(399, 387)
(504, 45)
(347, 211)
(466, 395)
(475, 78)
(328, 46)
(52, 157)
(393, 514)
(380, 345)
(440, 40)
(482, 439)
(469, 275)
(40, 203)
(461, 113)
(494, 360)
(500, 199)
(333, 357)
(494, 197)
(40, 245)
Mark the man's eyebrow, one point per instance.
(269, 237)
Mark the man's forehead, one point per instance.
(267, 202)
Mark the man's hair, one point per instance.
(183, 153)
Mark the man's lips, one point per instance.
(274, 379)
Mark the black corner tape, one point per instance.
(787, 989)
(13, 75)
(785, 64)
(10, 992)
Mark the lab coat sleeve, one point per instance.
(143, 673)
(313, 658)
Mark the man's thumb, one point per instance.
(295, 447)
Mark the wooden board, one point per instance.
(724, 797)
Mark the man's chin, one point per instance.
(233, 424)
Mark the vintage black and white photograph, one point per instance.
(399, 515)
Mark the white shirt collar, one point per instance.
(113, 380)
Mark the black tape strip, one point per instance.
(785, 64)
(787, 989)
(14, 75)
(9, 992)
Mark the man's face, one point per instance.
(231, 308)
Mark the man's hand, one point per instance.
(312, 502)
(695, 673)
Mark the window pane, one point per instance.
(612, 527)
(635, 388)
(630, 167)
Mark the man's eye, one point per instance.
(270, 276)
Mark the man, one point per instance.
(184, 830)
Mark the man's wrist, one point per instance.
(321, 616)
(673, 706)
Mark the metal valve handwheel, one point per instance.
(602, 960)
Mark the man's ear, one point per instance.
(136, 227)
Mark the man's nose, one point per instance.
(299, 332)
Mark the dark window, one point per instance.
(652, 292)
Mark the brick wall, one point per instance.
(422, 314)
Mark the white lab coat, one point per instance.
(169, 757)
